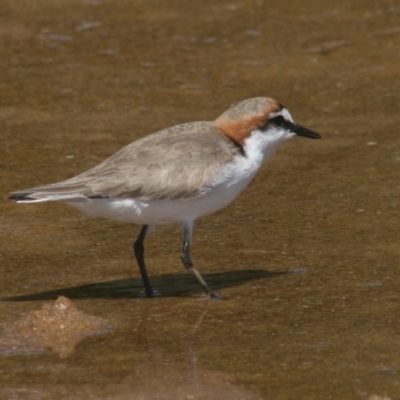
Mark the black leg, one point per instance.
(138, 249)
(187, 260)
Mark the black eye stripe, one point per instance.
(277, 121)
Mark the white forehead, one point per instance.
(284, 113)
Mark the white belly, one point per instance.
(160, 212)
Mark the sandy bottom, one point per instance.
(306, 259)
(57, 326)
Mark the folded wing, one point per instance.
(179, 162)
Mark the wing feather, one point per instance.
(179, 162)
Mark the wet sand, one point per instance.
(306, 258)
(57, 326)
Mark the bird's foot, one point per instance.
(214, 296)
(154, 293)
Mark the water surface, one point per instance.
(307, 258)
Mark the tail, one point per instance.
(40, 195)
(21, 197)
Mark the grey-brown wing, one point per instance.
(175, 163)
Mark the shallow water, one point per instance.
(306, 259)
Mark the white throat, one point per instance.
(262, 144)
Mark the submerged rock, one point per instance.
(58, 326)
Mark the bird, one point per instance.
(177, 175)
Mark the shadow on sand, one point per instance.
(170, 285)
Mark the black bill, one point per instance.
(301, 131)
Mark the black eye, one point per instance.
(277, 121)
